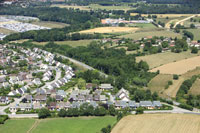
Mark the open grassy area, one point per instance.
(158, 123)
(158, 83)
(140, 34)
(110, 30)
(156, 60)
(74, 125)
(16, 126)
(69, 6)
(150, 25)
(164, 15)
(196, 33)
(6, 31)
(195, 89)
(70, 43)
(50, 24)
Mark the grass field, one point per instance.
(6, 31)
(16, 126)
(196, 33)
(140, 34)
(150, 25)
(158, 83)
(156, 60)
(110, 30)
(70, 43)
(68, 6)
(173, 89)
(195, 89)
(179, 67)
(57, 125)
(50, 24)
(158, 123)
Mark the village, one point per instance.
(36, 77)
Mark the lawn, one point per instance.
(156, 60)
(150, 25)
(74, 125)
(158, 123)
(122, 7)
(140, 34)
(16, 126)
(70, 43)
(50, 24)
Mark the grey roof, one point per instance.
(146, 104)
(157, 104)
(132, 104)
(94, 104)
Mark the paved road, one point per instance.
(81, 64)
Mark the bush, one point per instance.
(185, 106)
(44, 113)
(175, 77)
(139, 111)
(62, 113)
(3, 118)
(170, 82)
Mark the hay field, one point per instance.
(158, 123)
(179, 67)
(195, 89)
(140, 34)
(6, 31)
(156, 60)
(50, 24)
(110, 30)
(164, 15)
(158, 83)
(69, 6)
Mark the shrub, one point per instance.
(139, 111)
(175, 77)
(44, 113)
(3, 118)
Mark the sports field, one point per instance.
(179, 67)
(156, 60)
(110, 30)
(140, 34)
(57, 125)
(158, 123)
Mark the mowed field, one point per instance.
(156, 60)
(69, 43)
(164, 15)
(57, 125)
(110, 30)
(141, 34)
(17, 126)
(179, 67)
(50, 24)
(158, 123)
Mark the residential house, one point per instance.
(40, 98)
(52, 106)
(157, 104)
(61, 93)
(123, 95)
(106, 86)
(37, 82)
(4, 100)
(146, 104)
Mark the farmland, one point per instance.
(70, 43)
(141, 34)
(156, 60)
(158, 123)
(165, 15)
(179, 67)
(195, 90)
(50, 24)
(110, 30)
(16, 126)
(57, 125)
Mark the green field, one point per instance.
(6, 31)
(16, 126)
(74, 125)
(140, 34)
(156, 60)
(150, 25)
(50, 24)
(196, 33)
(57, 125)
(70, 43)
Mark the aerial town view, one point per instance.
(99, 66)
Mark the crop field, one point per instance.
(179, 67)
(57, 125)
(156, 60)
(158, 83)
(70, 43)
(110, 30)
(16, 126)
(140, 34)
(158, 123)
(50, 24)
